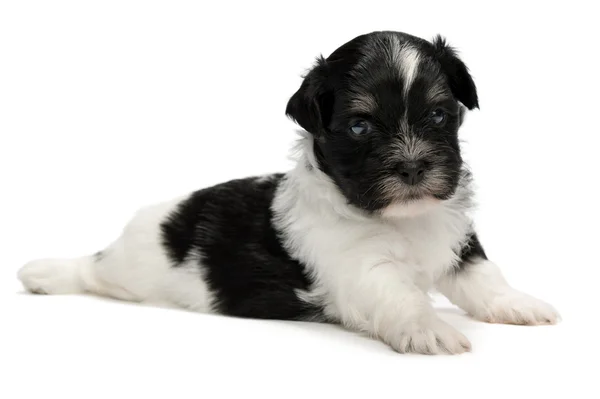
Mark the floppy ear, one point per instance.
(312, 104)
(461, 82)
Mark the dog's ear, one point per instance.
(461, 82)
(312, 104)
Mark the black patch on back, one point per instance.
(242, 258)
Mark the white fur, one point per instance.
(410, 209)
(372, 273)
(134, 268)
(55, 276)
(482, 291)
(409, 66)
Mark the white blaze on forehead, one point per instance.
(409, 65)
(404, 57)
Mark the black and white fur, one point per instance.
(340, 238)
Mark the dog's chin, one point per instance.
(410, 208)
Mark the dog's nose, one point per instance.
(412, 172)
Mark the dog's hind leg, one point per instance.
(134, 268)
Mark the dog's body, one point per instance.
(374, 215)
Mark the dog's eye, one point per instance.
(359, 128)
(438, 116)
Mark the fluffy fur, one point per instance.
(345, 236)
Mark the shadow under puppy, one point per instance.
(372, 217)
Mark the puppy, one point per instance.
(372, 217)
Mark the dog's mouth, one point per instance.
(390, 189)
(397, 191)
(434, 185)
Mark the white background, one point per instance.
(109, 105)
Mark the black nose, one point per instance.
(412, 172)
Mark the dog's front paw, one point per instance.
(518, 308)
(431, 337)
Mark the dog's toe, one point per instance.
(431, 338)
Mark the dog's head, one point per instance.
(384, 110)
